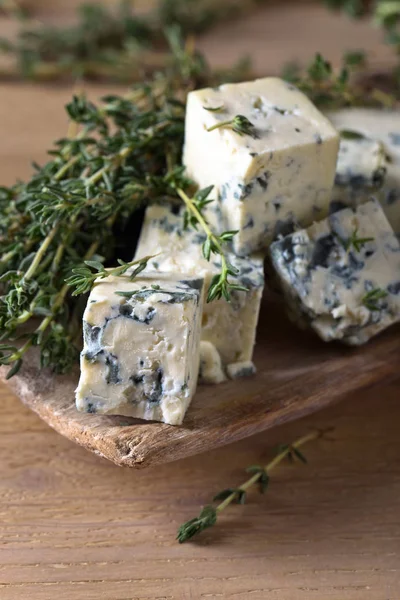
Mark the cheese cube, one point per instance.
(383, 129)
(345, 289)
(230, 327)
(269, 180)
(141, 347)
(361, 164)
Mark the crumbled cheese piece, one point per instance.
(241, 369)
(211, 370)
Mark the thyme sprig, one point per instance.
(331, 88)
(260, 476)
(239, 124)
(372, 299)
(221, 286)
(83, 277)
(355, 242)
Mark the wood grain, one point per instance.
(74, 527)
(297, 374)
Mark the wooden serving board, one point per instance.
(297, 374)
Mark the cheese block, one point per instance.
(382, 128)
(361, 165)
(230, 327)
(279, 174)
(345, 289)
(141, 347)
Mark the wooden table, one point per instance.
(74, 527)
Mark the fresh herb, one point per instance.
(108, 44)
(356, 242)
(260, 476)
(239, 124)
(215, 109)
(349, 134)
(355, 59)
(143, 294)
(354, 8)
(101, 45)
(330, 89)
(11, 8)
(221, 286)
(125, 154)
(371, 300)
(197, 16)
(83, 277)
(386, 14)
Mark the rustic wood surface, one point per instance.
(297, 375)
(75, 527)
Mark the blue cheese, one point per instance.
(141, 347)
(381, 128)
(211, 370)
(230, 327)
(280, 175)
(241, 369)
(361, 165)
(346, 290)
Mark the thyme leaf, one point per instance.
(207, 518)
(214, 109)
(371, 300)
(349, 134)
(239, 124)
(356, 242)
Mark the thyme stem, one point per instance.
(239, 124)
(261, 475)
(221, 286)
(40, 254)
(269, 467)
(220, 124)
(193, 209)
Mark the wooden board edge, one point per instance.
(127, 451)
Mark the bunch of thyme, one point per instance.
(331, 88)
(126, 154)
(117, 45)
(103, 43)
(197, 16)
(260, 476)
